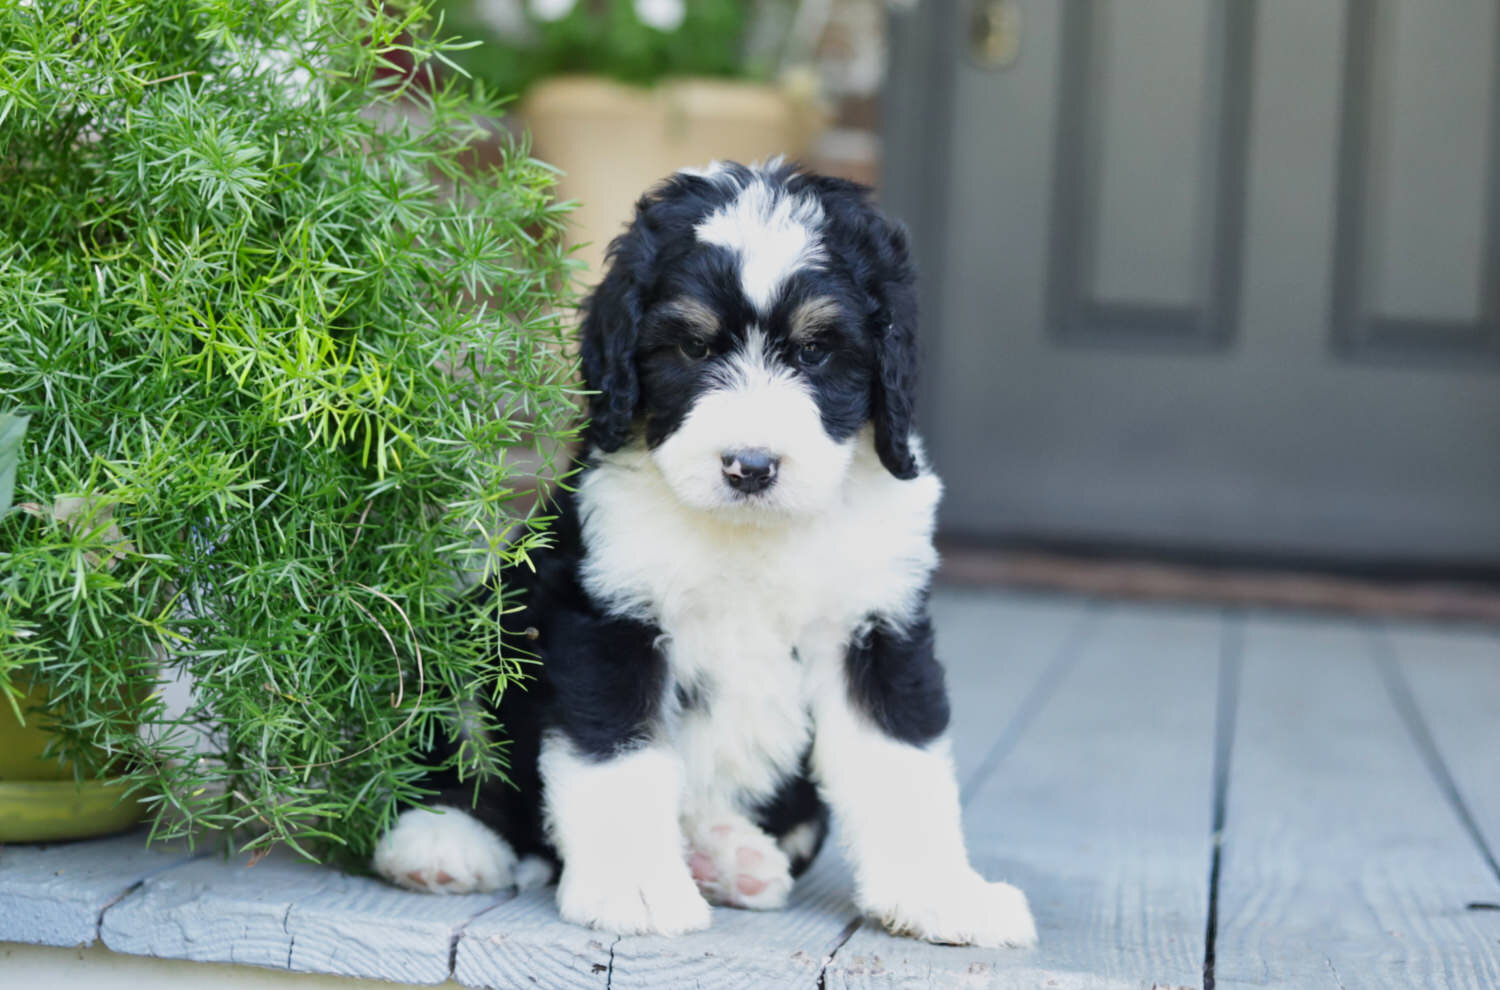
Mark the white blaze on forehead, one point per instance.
(773, 234)
(752, 365)
(712, 171)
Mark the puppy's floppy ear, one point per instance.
(611, 327)
(875, 250)
(893, 287)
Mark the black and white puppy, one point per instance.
(733, 621)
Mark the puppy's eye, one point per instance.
(812, 354)
(693, 348)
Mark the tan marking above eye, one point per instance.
(698, 317)
(813, 315)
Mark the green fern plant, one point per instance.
(281, 336)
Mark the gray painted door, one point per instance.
(1215, 276)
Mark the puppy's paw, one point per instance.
(966, 911)
(532, 872)
(444, 851)
(635, 901)
(736, 864)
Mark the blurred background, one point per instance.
(1206, 284)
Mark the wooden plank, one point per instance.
(523, 943)
(997, 647)
(362, 927)
(54, 894)
(286, 913)
(1454, 674)
(97, 968)
(1102, 813)
(1342, 864)
(749, 950)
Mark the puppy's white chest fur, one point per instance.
(751, 612)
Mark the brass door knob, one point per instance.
(994, 33)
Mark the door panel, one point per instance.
(1147, 95)
(1416, 255)
(1219, 282)
(1431, 114)
(1147, 189)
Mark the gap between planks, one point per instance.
(1045, 686)
(1148, 676)
(1405, 701)
(1231, 663)
(1343, 861)
(1089, 614)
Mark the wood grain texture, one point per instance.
(289, 914)
(54, 894)
(749, 950)
(996, 649)
(361, 927)
(1343, 864)
(523, 943)
(1454, 673)
(1102, 813)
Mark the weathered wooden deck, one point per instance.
(1189, 796)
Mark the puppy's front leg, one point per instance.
(883, 766)
(614, 821)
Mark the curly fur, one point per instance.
(724, 663)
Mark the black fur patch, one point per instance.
(895, 678)
(795, 803)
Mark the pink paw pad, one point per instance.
(739, 866)
(748, 859)
(702, 867)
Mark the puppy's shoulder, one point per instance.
(905, 509)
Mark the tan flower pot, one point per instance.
(614, 141)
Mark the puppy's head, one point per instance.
(751, 323)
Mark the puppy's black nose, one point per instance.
(750, 470)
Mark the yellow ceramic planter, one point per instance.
(39, 799)
(50, 810)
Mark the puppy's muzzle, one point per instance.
(750, 470)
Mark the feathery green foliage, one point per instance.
(608, 38)
(278, 329)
